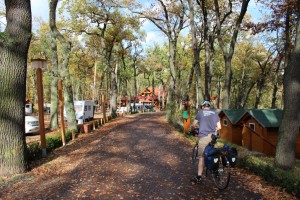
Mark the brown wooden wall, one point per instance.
(263, 140)
(231, 133)
(226, 130)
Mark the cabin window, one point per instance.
(252, 126)
(85, 108)
(225, 122)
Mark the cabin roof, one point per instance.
(234, 115)
(268, 118)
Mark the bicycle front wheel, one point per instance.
(221, 176)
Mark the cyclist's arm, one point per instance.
(195, 122)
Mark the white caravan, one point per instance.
(84, 110)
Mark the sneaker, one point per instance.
(196, 179)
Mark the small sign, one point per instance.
(39, 63)
(185, 114)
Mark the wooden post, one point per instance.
(61, 110)
(41, 110)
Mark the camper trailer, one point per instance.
(84, 110)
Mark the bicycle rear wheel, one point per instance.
(221, 176)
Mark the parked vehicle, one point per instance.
(84, 110)
(122, 110)
(31, 124)
(139, 107)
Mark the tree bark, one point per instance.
(275, 84)
(171, 100)
(63, 65)
(14, 44)
(196, 59)
(113, 92)
(207, 77)
(289, 128)
(54, 83)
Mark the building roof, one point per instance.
(157, 91)
(268, 118)
(234, 115)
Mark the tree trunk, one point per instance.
(63, 65)
(135, 85)
(275, 84)
(14, 44)
(289, 128)
(54, 83)
(171, 101)
(95, 78)
(113, 92)
(196, 58)
(227, 84)
(228, 52)
(207, 76)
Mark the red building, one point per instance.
(145, 98)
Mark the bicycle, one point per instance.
(218, 162)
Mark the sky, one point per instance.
(40, 9)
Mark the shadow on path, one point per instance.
(134, 157)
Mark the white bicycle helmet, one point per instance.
(206, 104)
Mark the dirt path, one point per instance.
(134, 157)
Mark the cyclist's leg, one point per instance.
(203, 141)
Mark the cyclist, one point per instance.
(209, 123)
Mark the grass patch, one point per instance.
(264, 167)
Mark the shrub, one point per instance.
(53, 141)
(68, 135)
(34, 151)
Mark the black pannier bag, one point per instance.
(231, 155)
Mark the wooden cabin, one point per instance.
(231, 129)
(145, 98)
(260, 131)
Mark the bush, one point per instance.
(68, 135)
(53, 141)
(34, 151)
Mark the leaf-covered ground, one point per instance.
(133, 157)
